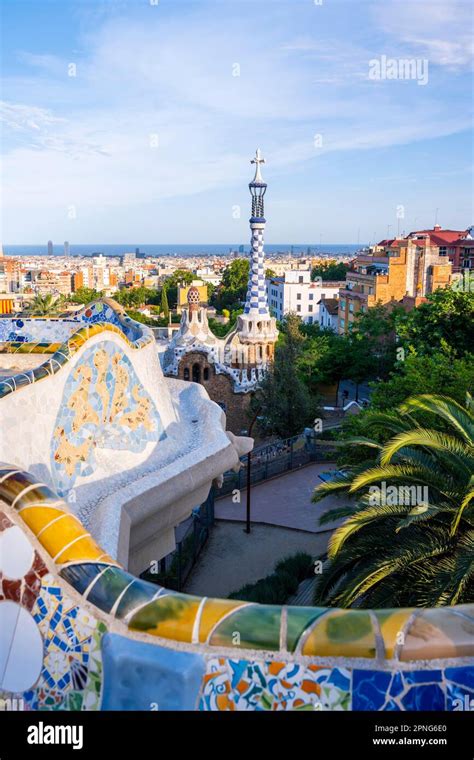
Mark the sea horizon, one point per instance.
(183, 249)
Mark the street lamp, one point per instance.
(249, 467)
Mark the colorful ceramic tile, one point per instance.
(392, 628)
(81, 576)
(83, 549)
(72, 648)
(231, 685)
(251, 627)
(212, 611)
(104, 406)
(341, 633)
(298, 620)
(135, 596)
(12, 484)
(61, 533)
(38, 518)
(459, 698)
(438, 633)
(398, 690)
(463, 675)
(424, 697)
(108, 587)
(172, 617)
(39, 495)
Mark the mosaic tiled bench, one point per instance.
(79, 632)
(63, 337)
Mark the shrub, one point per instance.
(282, 583)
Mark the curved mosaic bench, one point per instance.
(113, 641)
(100, 316)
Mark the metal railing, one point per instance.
(270, 460)
(191, 536)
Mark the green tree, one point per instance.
(409, 547)
(425, 373)
(330, 271)
(85, 295)
(286, 405)
(236, 275)
(132, 298)
(179, 276)
(164, 303)
(373, 342)
(46, 305)
(447, 315)
(233, 288)
(139, 317)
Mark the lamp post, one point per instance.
(249, 471)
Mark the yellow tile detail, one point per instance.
(81, 551)
(213, 611)
(38, 518)
(179, 615)
(61, 534)
(392, 623)
(341, 633)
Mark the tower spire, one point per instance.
(256, 301)
(257, 161)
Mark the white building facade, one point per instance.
(295, 292)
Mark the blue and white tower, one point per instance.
(256, 302)
(256, 328)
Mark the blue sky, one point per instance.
(150, 140)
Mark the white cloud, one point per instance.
(87, 141)
(440, 30)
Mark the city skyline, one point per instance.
(119, 122)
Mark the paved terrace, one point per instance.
(284, 501)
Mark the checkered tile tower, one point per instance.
(255, 325)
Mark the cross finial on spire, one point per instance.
(257, 161)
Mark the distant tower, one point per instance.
(50, 248)
(256, 329)
(66, 248)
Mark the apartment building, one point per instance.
(328, 313)
(10, 274)
(403, 270)
(58, 283)
(295, 292)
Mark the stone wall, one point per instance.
(220, 389)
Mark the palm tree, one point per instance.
(392, 550)
(46, 305)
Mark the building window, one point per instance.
(298, 296)
(186, 373)
(196, 373)
(311, 296)
(342, 323)
(310, 320)
(206, 373)
(298, 308)
(310, 307)
(300, 279)
(351, 308)
(342, 304)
